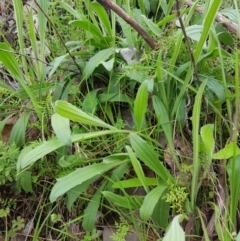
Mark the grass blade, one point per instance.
(146, 154)
(137, 168)
(140, 104)
(195, 132)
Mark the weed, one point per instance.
(122, 229)
(177, 197)
(8, 158)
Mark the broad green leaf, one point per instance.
(226, 152)
(223, 35)
(117, 174)
(21, 156)
(103, 18)
(208, 140)
(26, 181)
(61, 127)
(124, 202)
(74, 193)
(175, 232)
(88, 26)
(137, 168)
(90, 101)
(216, 88)
(135, 182)
(79, 176)
(97, 59)
(146, 154)
(73, 113)
(108, 65)
(70, 161)
(150, 201)
(91, 212)
(18, 132)
(162, 207)
(194, 32)
(140, 104)
(49, 146)
(231, 13)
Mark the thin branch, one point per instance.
(187, 41)
(121, 13)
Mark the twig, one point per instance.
(187, 41)
(232, 27)
(121, 13)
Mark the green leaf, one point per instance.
(152, 26)
(223, 35)
(79, 176)
(70, 161)
(208, 140)
(108, 65)
(226, 152)
(72, 11)
(75, 192)
(216, 88)
(135, 182)
(231, 13)
(91, 212)
(49, 146)
(71, 112)
(140, 104)
(175, 232)
(194, 32)
(137, 168)
(103, 17)
(195, 132)
(124, 202)
(163, 118)
(97, 59)
(163, 208)
(90, 101)
(88, 26)
(150, 201)
(26, 181)
(146, 154)
(19, 130)
(61, 127)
